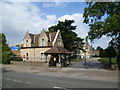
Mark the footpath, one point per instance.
(78, 73)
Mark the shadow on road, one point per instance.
(91, 64)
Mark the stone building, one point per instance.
(34, 46)
(88, 51)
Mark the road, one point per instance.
(92, 64)
(13, 79)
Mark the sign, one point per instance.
(15, 48)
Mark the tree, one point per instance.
(101, 51)
(110, 52)
(69, 37)
(104, 19)
(6, 52)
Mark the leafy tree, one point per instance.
(104, 19)
(110, 52)
(6, 54)
(5, 49)
(101, 51)
(69, 37)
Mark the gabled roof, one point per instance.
(35, 38)
(53, 35)
(57, 50)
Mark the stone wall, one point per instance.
(34, 54)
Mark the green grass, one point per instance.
(77, 60)
(106, 60)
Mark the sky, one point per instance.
(20, 17)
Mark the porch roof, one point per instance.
(57, 50)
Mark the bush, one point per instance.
(6, 57)
(16, 58)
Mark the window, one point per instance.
(27, 56)
(26, 43)
(43, 43)
(43, 57)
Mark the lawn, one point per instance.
(77, 60)
(107, 61)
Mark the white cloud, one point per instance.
(20, 17)
(17, 18)
(82, 28)
(53, 4)
(102, 42)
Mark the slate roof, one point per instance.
(35, 38)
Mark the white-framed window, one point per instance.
(43, 57)
(43, 42)
(26, 43)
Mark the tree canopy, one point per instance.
(103, 19)
(68, 35)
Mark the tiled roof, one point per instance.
(52, 34)
(34, 38)
(58, 50)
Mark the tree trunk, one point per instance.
(118, 62)
(110, 62)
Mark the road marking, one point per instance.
(7, 78)
(57, 87)
(16, 80)
(28, 82)
(61, 88)
(84, 76)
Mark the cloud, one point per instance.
(102, 42)
(19, 17)
(53, 4)
(82, 28)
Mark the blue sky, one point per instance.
(34, 16)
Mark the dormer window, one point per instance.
(26, 43)
(43, 42)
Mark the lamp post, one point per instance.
(85, 59)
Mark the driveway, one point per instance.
(91, 63)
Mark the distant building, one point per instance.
(16, 50)
(96, 52)
(88, 51)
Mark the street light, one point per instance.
(85, 59)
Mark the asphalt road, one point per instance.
(92, 64)
(21, 80)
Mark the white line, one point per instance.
(15, 80)
(7, 78)
(57, 87)
(19, 81)
(84, 76)
(28, 82)
(61, 88)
